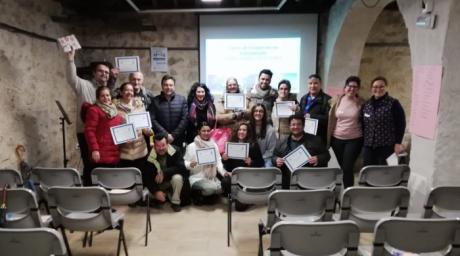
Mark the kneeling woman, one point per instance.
(99, 118)
(203, 178)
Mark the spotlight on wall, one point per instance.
(426, 19)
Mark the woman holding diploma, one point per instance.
(345, 134)
(132, 154)
(384, 123)
(227, 117)
(203, 177)
(281, 124)
(242, 134)
(200, 109)
(264, 132)
(99, 118)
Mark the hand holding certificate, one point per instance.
(234, 101)
(140, 120)
(284, 109)
(311, 126)
(297, 158)
(123, 133)
(206, 156)
(237, 150)
(69, 42)
(127, 64)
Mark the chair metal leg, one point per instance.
(66, 242)
(85, 238)
(229, 220)
(90, 242)
(121, 239)
(261, 233)
(148, 225)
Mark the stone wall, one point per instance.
(31, 79)
(178, 32)
(387, 54)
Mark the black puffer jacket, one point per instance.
(169, 116)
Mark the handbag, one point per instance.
(3, 207)
(221, 136)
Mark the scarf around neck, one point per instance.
(209, 170)
(109, 110)
(259, 93)
(153, 157)
(205, 105)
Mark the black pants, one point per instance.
(376, 156)
(85, 157)
(347, 151)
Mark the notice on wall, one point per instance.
(426, 89)
(334, 90)
(159, 59)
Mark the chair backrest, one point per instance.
(302, 205)
(123, 184)
(31, 241)
(80, 208)
(367, 205)
(384, 176)
(44, 178)
(417, 235)
(315, 238)
(316, 178)
(22, 209)
(253, 185)
(10, 177)
(443, 202)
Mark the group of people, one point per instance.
(166, 154)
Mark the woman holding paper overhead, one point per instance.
(384, 123)
(281, 123)
(99, 118)
(200, 109)
(345, 134)
(132, 154)
(264, 132)
(203, 160)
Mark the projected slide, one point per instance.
(244, 58)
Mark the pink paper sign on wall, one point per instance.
(426, 89)
(334, 90)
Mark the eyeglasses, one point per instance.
(353, 86)
(378, 87)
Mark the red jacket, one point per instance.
(99, 137)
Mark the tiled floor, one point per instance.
(196, 230)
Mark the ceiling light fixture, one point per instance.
(211, 1)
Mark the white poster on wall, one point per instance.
(159, 59)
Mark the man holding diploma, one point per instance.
(319, 154)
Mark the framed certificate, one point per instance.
(128, 64)
(237, 150)
(206, 156)
(297, 158)
(283, 108)
(234, 101)
(311, 126)
(123, 133)
(140, 120)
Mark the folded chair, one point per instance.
(297, 205)
(384, 176)
(417, 236)
(251, 186)
(124, 186)
(314, 238)
(367, 205)
(84, 209)
(31, 241)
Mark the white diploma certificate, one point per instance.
(206, 156)
(333, 163)
(392, 160)
(127, 64)
(69, 42)
(283, 108)
(297, 158)
(311, 126)
(234, 101)
(123, 133)
(237, 150)
(140, 120)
